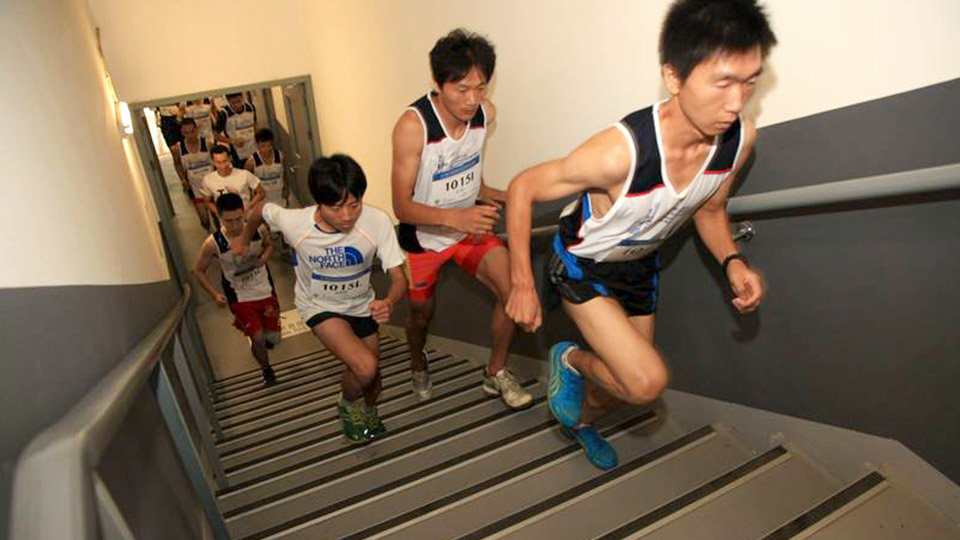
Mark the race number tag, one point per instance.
(456, 184)
(631, 250)
(340, 287)
(250, 277)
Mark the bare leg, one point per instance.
(258, 346)
(420, 315)
(494, 272)
(337, 335)
(624, 365)
(596, 401)
(372, 391)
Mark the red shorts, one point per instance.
(256, 315)
(425, 266)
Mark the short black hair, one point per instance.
(188, 122)
(263, 135)
(455, 54)
(332, 179)
(695, 30)
(228, 202)
(219, 149)
(234, 94)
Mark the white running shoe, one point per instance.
(506, 386)
(422, 386)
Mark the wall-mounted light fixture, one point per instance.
(124, 120)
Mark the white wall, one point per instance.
(567, 68)
(75, 208)
(165, 48)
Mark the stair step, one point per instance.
(448, 482)
(326, 378)
(322, 406)
(746, 502)
(525, 496)
(338, 457)
(328, 421)
(872, 508)
(312, 356)
(331, 389)
(288, 453)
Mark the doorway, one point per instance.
(284, 106)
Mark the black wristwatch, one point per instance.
(730, 258)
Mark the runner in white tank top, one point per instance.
(191, 158)
(236, 125)
(635, 183)
(437, 183)
(245, 280)
(267, 165)
(200, 110)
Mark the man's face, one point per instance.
(265, 148)
(236, 102)
(343, 215)
(189, 132)
(717, 89)
(462, 98)
(222, 163)
(233, 221)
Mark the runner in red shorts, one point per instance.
(246, 281)
(437, 182)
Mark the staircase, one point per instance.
(463, 466)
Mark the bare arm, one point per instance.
(713, 226)
(602, 163)
(175, 151)
(487, 192)
(407, 146)
(267, 246)
(199, 271)
(249, 164)
(380, 310)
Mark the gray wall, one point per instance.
(58, 343)
(858, 329)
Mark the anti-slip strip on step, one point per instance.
(320, 439)
(226, 380)
(695, 495)
(466, 385)
(328, 391)
(333, 410)
(588, 485)
(379, 459)
(306, 376)
(565, 450)
(324, 360)
(826, 508)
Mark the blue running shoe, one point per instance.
(565, 392)
(599, 452)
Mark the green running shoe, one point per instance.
(354, 419)
(375, 426)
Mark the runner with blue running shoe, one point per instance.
(635, 184)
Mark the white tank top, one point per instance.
(196, 164)
(240, 125)
(243, 281)
(201, 115)
(449, 176)
(270, 175)
(648, 209)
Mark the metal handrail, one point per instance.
(54, 489)
(913, 182)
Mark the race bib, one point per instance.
(456, 185)
(631, 250)
(340, 287)
(249, 277)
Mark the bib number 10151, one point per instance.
(460, 181)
